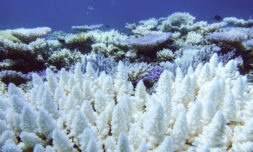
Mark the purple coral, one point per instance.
(153, 76)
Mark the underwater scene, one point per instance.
(126, 76)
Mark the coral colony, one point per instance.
(172, 85)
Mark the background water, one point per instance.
(62, 14)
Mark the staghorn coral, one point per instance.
(64, 58)
(178, 21)
(138, 70)
(192, 57)
(109, 50)
(194, 38)
(80, 41)
(214, 27)
(60, 115)
(33, 56)
(165, 55)
(145, 27)
(104, 41)
(99, 63)
(23, 57)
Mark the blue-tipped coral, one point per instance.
(100, 64)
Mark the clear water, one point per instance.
(62, 14)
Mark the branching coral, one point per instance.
(194, 38)
(33, 56)
(24, 58)
(238, 22)
(64, 58)
(137, 71)
(177, 21)
(76, 111)
(29, 56)
(165, 55)
(80, 41)
(145, 27)
(100, 64)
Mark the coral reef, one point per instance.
(22, 57)
(172, 84)
(18, 57)
(207, 109)
(174, 41)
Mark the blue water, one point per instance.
(62, 14)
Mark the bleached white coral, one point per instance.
(177, 20)
(238, 22)
(146, 27)
(194, 38)
(165, 54)
(154, 125)
(64, 58)
(38, 44)
(29, 35)
(61, 142)
(84, 28)
(213, 134)
(180, 131)
(107, 36)
(15, 46)
(186, 113)
(214, 26)
(76, 38)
